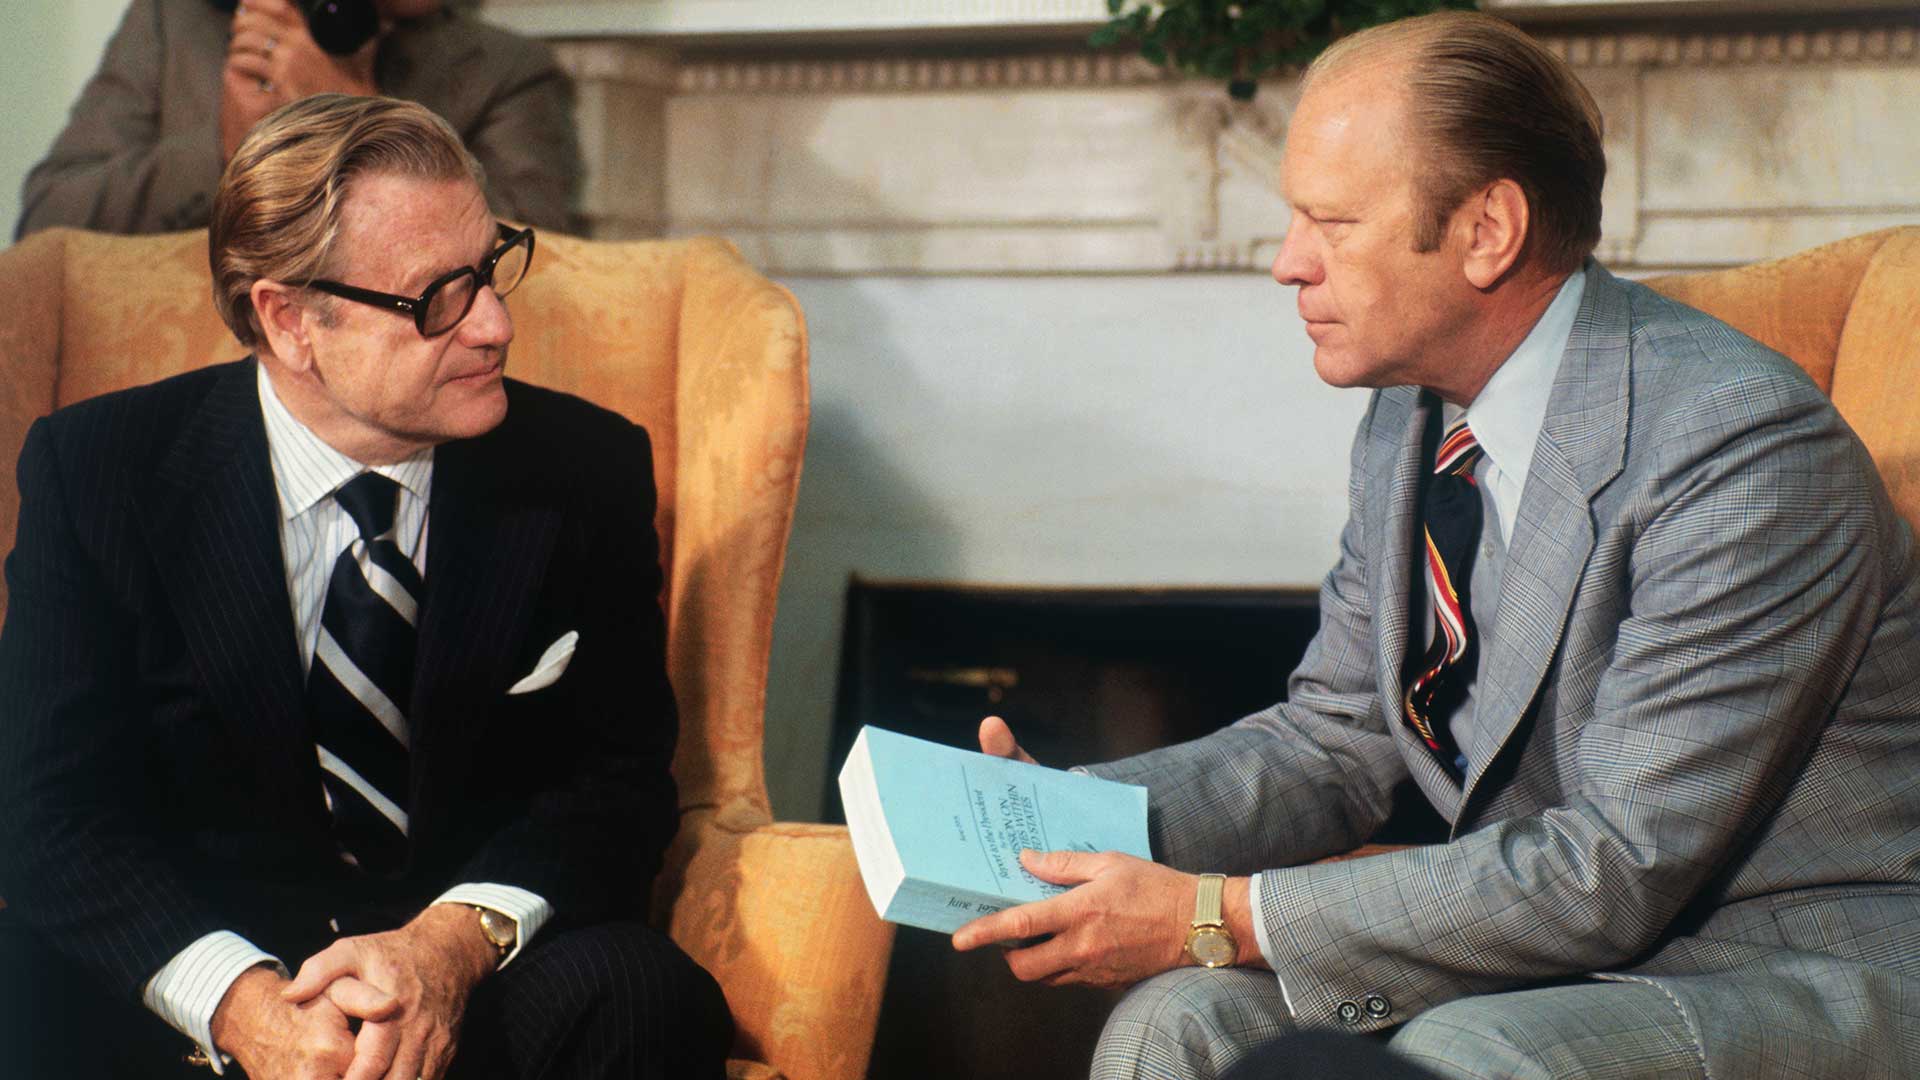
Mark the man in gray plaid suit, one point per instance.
(1683, 773)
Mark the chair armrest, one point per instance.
(778, 914)
(33, 272)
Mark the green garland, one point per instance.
(1242, 40)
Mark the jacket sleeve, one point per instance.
(1307, 777)
(525, 140)
(115, 167)
(76, 861)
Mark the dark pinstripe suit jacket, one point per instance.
(157, 777)
(1698, 755)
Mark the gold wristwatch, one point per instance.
(1209, 942)
(501, 930)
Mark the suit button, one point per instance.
(1378, 1007)
(1349, 1012)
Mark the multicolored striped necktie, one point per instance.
(1451, 508)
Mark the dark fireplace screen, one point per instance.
(1082, 675)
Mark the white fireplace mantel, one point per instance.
(769, 21)
(806, 20)
(810, 135)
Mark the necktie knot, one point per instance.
(369, 499)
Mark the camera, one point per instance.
(340, 27)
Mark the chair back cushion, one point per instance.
(1876, 380)
(1849, 313)
(135, 310)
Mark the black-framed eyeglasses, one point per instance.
(447, 299)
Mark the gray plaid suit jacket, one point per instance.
(1698, 761)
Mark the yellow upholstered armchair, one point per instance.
(686, 339)
(1848, 313)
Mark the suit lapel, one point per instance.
(212, 525)
(491, 538)
(1400, 438)
(1582, 447)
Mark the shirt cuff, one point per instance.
(188, 991)
(528, 910)
(1261, 939)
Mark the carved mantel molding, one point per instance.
(852, 75)
(652, 64)
(1725, 144)
(1081, 68)
(770, 21)
(1721, 47)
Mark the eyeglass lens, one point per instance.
(450, 302)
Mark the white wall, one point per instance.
(1149, 430)
(46, 55)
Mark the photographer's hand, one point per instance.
(272, 60)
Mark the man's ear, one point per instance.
(1498, 220)
(282, 317)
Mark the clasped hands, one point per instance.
(407, 989)
(1123, 920)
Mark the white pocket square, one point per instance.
(553, 664)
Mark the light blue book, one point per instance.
(938, 831)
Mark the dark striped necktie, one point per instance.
(1451, 513)
(362, 672)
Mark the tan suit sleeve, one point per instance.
(525, 141)
(120, 166)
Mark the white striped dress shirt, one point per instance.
(314, 530)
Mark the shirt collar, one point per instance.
(1510, 410)
(307, 470)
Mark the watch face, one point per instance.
(500, 929)
(1211, 947)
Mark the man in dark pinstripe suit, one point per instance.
(191, 829)
(1682, 773)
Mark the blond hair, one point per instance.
(276, 213)
(1490, 103)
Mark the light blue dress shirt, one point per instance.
(1506, 418)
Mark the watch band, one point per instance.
(1206, 903)
(1209, 943)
